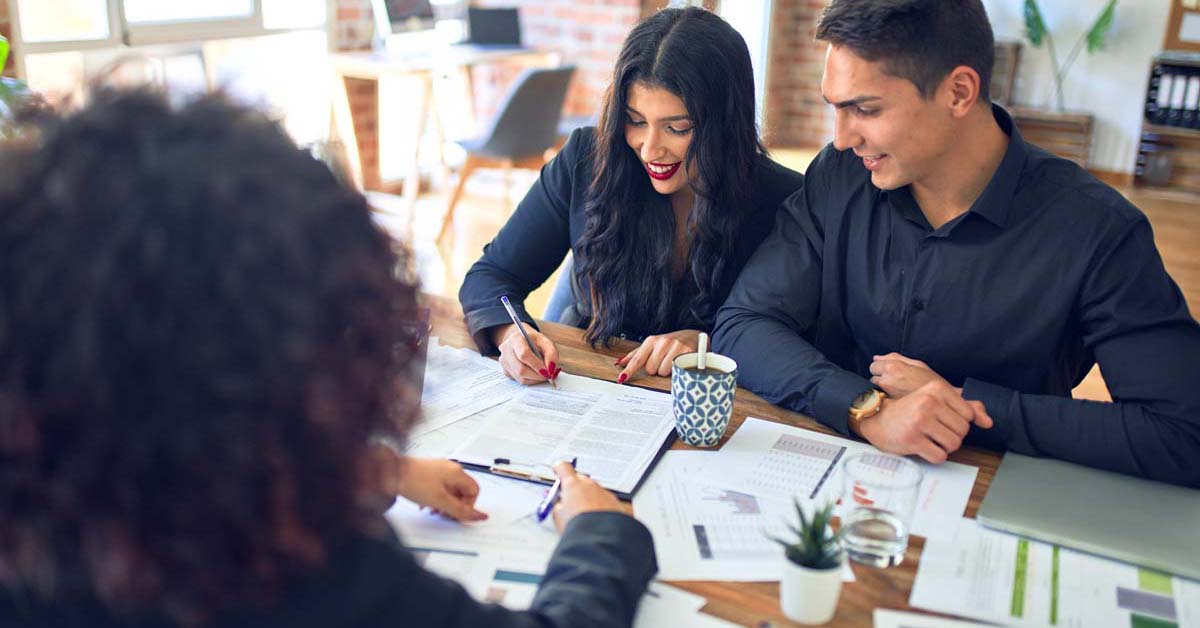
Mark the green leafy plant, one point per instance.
(12, 94)
(1093, 39)
(816, 546)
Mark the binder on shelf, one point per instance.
(1163, 97)
(1178, 95)
(1156, 74)
(1191, 101)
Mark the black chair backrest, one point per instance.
(527, 123)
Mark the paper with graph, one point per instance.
(705, 530)
(992, 576)
(785, 462)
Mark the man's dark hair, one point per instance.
(917, 40)
(200, 329)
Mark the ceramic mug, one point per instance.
(703, 399)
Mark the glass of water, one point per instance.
(880, 493)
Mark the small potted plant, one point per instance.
(812, 573)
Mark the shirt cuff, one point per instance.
(835, 393)
(1002, 404)
(481, 322)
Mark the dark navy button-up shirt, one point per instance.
(1049, 272)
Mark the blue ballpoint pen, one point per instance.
(544, 508)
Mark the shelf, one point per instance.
(1163, 129)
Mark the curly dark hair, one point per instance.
(700, 58)
(200, 329)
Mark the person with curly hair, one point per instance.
(201, 333)
(661, 205)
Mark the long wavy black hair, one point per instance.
(200, 328)
(624, 255)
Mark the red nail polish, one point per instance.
(550, 367)
(544, 373)
(556, 373)
(622, 378)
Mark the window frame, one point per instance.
(124, 34)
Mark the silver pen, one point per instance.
(521, 328)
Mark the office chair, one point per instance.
(526, 125)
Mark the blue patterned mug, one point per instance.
(703, 400)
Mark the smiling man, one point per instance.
(938, 280)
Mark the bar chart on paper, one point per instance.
(997, 577)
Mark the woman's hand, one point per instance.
(518, 361)
(441, 485)
(580, 494)
(657, 353)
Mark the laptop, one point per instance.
(1129, 519)
(493, 28)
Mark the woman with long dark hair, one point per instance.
(661, 204)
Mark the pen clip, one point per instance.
(523, 471)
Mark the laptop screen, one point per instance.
(493, 27)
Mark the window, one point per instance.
(271, 53)
(48, 26)
(144, 11)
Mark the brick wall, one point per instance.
(796, 115)
(586, 33)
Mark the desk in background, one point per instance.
(747, 603)
(356, 108)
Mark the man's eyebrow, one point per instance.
(858, 100)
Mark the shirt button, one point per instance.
(918, 304)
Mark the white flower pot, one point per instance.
(809, 596)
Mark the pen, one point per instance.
(521, 328)
(543, 509)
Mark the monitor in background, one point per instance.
(401, 16)
(493, 27)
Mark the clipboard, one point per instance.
(543, 474)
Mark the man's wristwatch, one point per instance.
(864, 407)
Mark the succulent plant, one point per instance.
(816, 545)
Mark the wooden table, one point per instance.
(747, 603)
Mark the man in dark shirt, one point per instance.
(939, 281)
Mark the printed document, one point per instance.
(459, 383)
(704, 530)
(1010, 580)
(782, 462)
(615, 431)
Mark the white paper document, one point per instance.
(782, 462)
(615, 431)
(1010, 580)
(511, 526)
(885, 618)
(703, 530)
(459, 383)
(441, 442)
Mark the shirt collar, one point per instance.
(995, 203)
